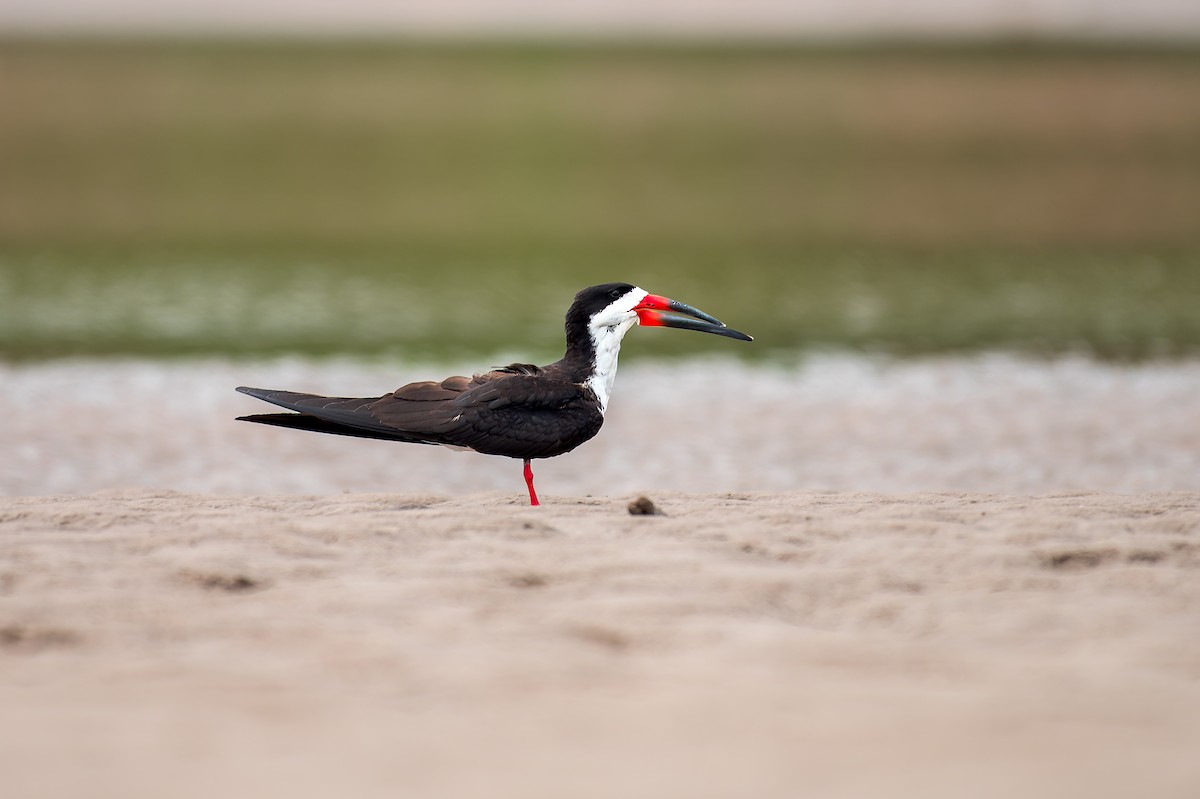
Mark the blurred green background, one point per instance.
(424, 200)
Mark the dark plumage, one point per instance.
(519, 411)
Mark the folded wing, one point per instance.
(520, 413)
(345, 416)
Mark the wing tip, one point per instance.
(264, 394)
(258, 417)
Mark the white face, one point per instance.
(608, 328)
(619, 313)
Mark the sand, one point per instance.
(991, 619)
(770, 645)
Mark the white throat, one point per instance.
(607, 330)
(607, 342)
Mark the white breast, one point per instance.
(608, 328)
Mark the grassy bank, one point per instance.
(250, 198)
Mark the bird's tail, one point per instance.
(345, 416)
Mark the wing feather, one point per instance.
(351, 412)
(521, 413)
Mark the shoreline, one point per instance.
(994, 423)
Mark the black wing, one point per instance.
(517, 414)
(344, 416)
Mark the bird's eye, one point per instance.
(615, 294)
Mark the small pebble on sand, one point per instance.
(642, 506)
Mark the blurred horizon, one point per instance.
(235, 196)
(618, 19)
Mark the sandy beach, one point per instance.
(770, 645)
(934, 578)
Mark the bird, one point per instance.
(518, 411)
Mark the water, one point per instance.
(993, 423)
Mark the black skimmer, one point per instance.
(520, 410)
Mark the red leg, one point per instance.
(533, 500)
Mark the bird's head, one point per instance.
(616, 307)
(602, 315)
